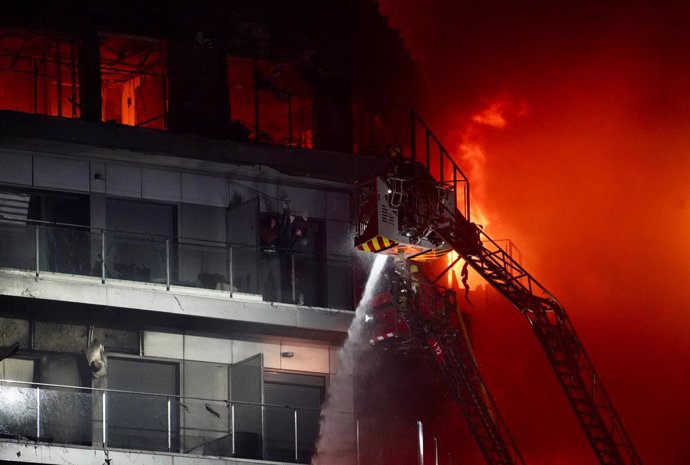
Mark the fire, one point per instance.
(499, 111)
(470, 151)
(493, 116)
(473, 161)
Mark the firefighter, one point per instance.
(298, 248)
(414, 277)
(292, 245)
(399, 166)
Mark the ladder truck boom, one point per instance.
(415, 313)
(557, 337)
(414, 217)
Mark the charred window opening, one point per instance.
(270, 102)
(379, 129)
(38, 74)
(133, 80)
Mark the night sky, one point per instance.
(573, 121)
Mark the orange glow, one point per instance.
(473, 162)
(498, 112)
(472, 158)
(454, 276)
(493, 116)
(134, 87)
(592, 185)
(38, 74)
(270, 102)
(470, 147)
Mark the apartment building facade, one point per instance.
(176, 218)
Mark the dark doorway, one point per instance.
(140, 421)
(304, 392)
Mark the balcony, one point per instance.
(174, 274)
(109, 419)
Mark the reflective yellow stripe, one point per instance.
(376, 244)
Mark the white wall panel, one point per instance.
(204, 190)
(165, 345)
(123, 181)
(207, 349)
(17, 369)
(61, 173)
(242, 350)
(15, 168)
(307, 357)
(161, 185)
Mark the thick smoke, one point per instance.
(592, 184)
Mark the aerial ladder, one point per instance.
(407, 213)
(414, 312)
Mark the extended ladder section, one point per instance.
(432, 318)
(555, 333)
(454, 357)
(420, 314)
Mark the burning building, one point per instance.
(180, 190)
(176, 257)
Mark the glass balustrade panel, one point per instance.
(200, 265)
(69, 251)
(135, 257)
(18, 412)
(17, 246)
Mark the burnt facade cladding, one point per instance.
(177, 268)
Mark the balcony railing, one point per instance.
(118, 419)
(276, 275)
(107, 418)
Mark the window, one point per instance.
(133, 81)
(63, 246)
(379, 128)
(38, 74)
(135, 243)
(270, 102)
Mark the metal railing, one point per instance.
(276, 274)
(427, 149)
(402, 129)
(111, 418)
(123, 419)
(415, 442)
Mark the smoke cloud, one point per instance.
(590, 181)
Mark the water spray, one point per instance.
(337, 429)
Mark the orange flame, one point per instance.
(473, 158)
